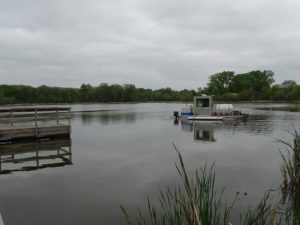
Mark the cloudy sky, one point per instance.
(150, 43)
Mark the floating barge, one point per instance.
(34, 123)
(203, 109)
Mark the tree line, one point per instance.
(254, 85)
(12, 94)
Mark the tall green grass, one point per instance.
(290, 188)
(198, 202)
(290, 169)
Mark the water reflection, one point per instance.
(54, 153)
(186, 125)
(205, 130)
(256, 125)
(106, 117)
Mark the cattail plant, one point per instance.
(198, 202)
(290, 188)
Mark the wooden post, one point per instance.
(11, 118)
(69, 120)
(57, 117)
(37, 155)
(35, 116)
(70, 150)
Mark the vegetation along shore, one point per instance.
(225, 86)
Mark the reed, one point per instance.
(264, 214)
(198, 202)
(290, 168)
(290, 188)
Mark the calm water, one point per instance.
(122, 152)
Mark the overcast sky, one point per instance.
(149, 43)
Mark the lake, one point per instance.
(122, 152)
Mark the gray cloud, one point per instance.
(150, 43)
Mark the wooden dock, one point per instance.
(34, 123)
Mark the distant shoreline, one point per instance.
(141, 102)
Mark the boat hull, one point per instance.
(241, 117)
(205, 118)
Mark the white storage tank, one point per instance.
(224, 107)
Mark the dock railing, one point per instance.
(25, 114)
(38, 118)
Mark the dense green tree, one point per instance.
(103, 93)
(288, 83)
(2, 98)
(261, 79)
(86, 93)
(165, 94)
(240, 82)
(116, 93)
(144, 94)
(255, 80)
(219, 83)
(129, 93)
